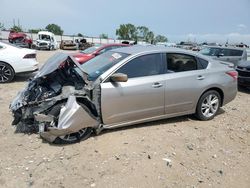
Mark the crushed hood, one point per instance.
(35, 86)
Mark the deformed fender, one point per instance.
(72, 118)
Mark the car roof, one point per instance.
(137, 49)
(230, 48)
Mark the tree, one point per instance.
(127, 32)
(80, 35)
(1, 26)
(142, 32)
(150, 37)
(16, 28)
(103, 36)
(53, 28)
(160, 38)
(34, 30)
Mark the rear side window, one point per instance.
(1, 47)
(236, 52)
(146, 65)
(181, 62)
(231, 52)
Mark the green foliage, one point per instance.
(53, 28)
(160, 38)
(16, 28)
(103, 36)
(127, 32)
(141, 33)
(80, 35)
(34, 30)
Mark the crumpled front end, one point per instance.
(72, 118)
(59, 82)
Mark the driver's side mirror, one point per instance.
(220, 55)
(119, 77)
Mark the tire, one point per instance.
(81, 135)
(6, 73)
(208, 105)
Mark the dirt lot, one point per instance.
(200, 154)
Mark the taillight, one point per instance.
(30, 56)
(233, 74)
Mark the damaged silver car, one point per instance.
(66, 101)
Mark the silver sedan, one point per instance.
(125, 86)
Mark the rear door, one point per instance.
(185, 81)
(142, 96)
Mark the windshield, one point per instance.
(100, 64)
(210, 51)
(44, 37)
(90, 50)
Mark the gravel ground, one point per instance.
(177, 152)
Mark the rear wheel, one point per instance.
(82, 134)
(208, 105)
(6, 73)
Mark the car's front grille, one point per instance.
(243, 73)
(43, 44)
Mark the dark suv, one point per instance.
(243, 69)
(233, 55)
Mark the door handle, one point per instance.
(157, 85)
(200, 77)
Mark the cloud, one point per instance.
(241, 27)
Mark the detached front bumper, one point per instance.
(72, 118)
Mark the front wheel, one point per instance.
(82, 134)
(6, 73)
(208, 105)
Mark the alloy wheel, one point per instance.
(6, 74)
(210, 105)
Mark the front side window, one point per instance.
(146, 65)
(210, 51)
(181, 62)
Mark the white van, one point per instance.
(46, 40)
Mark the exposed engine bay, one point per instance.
(58, 102)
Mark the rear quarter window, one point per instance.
(203, 63)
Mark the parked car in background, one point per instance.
(94, 51)
(15, 60)
(46, 40)
(83, 44)
(20, 39)
(68, 45)
(121, 87)
(233, 55)
(243, 69)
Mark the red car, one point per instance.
(20, 39)
(96, 50)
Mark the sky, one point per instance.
(178, 20)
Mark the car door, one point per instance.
(142, 96)
(184, 83)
